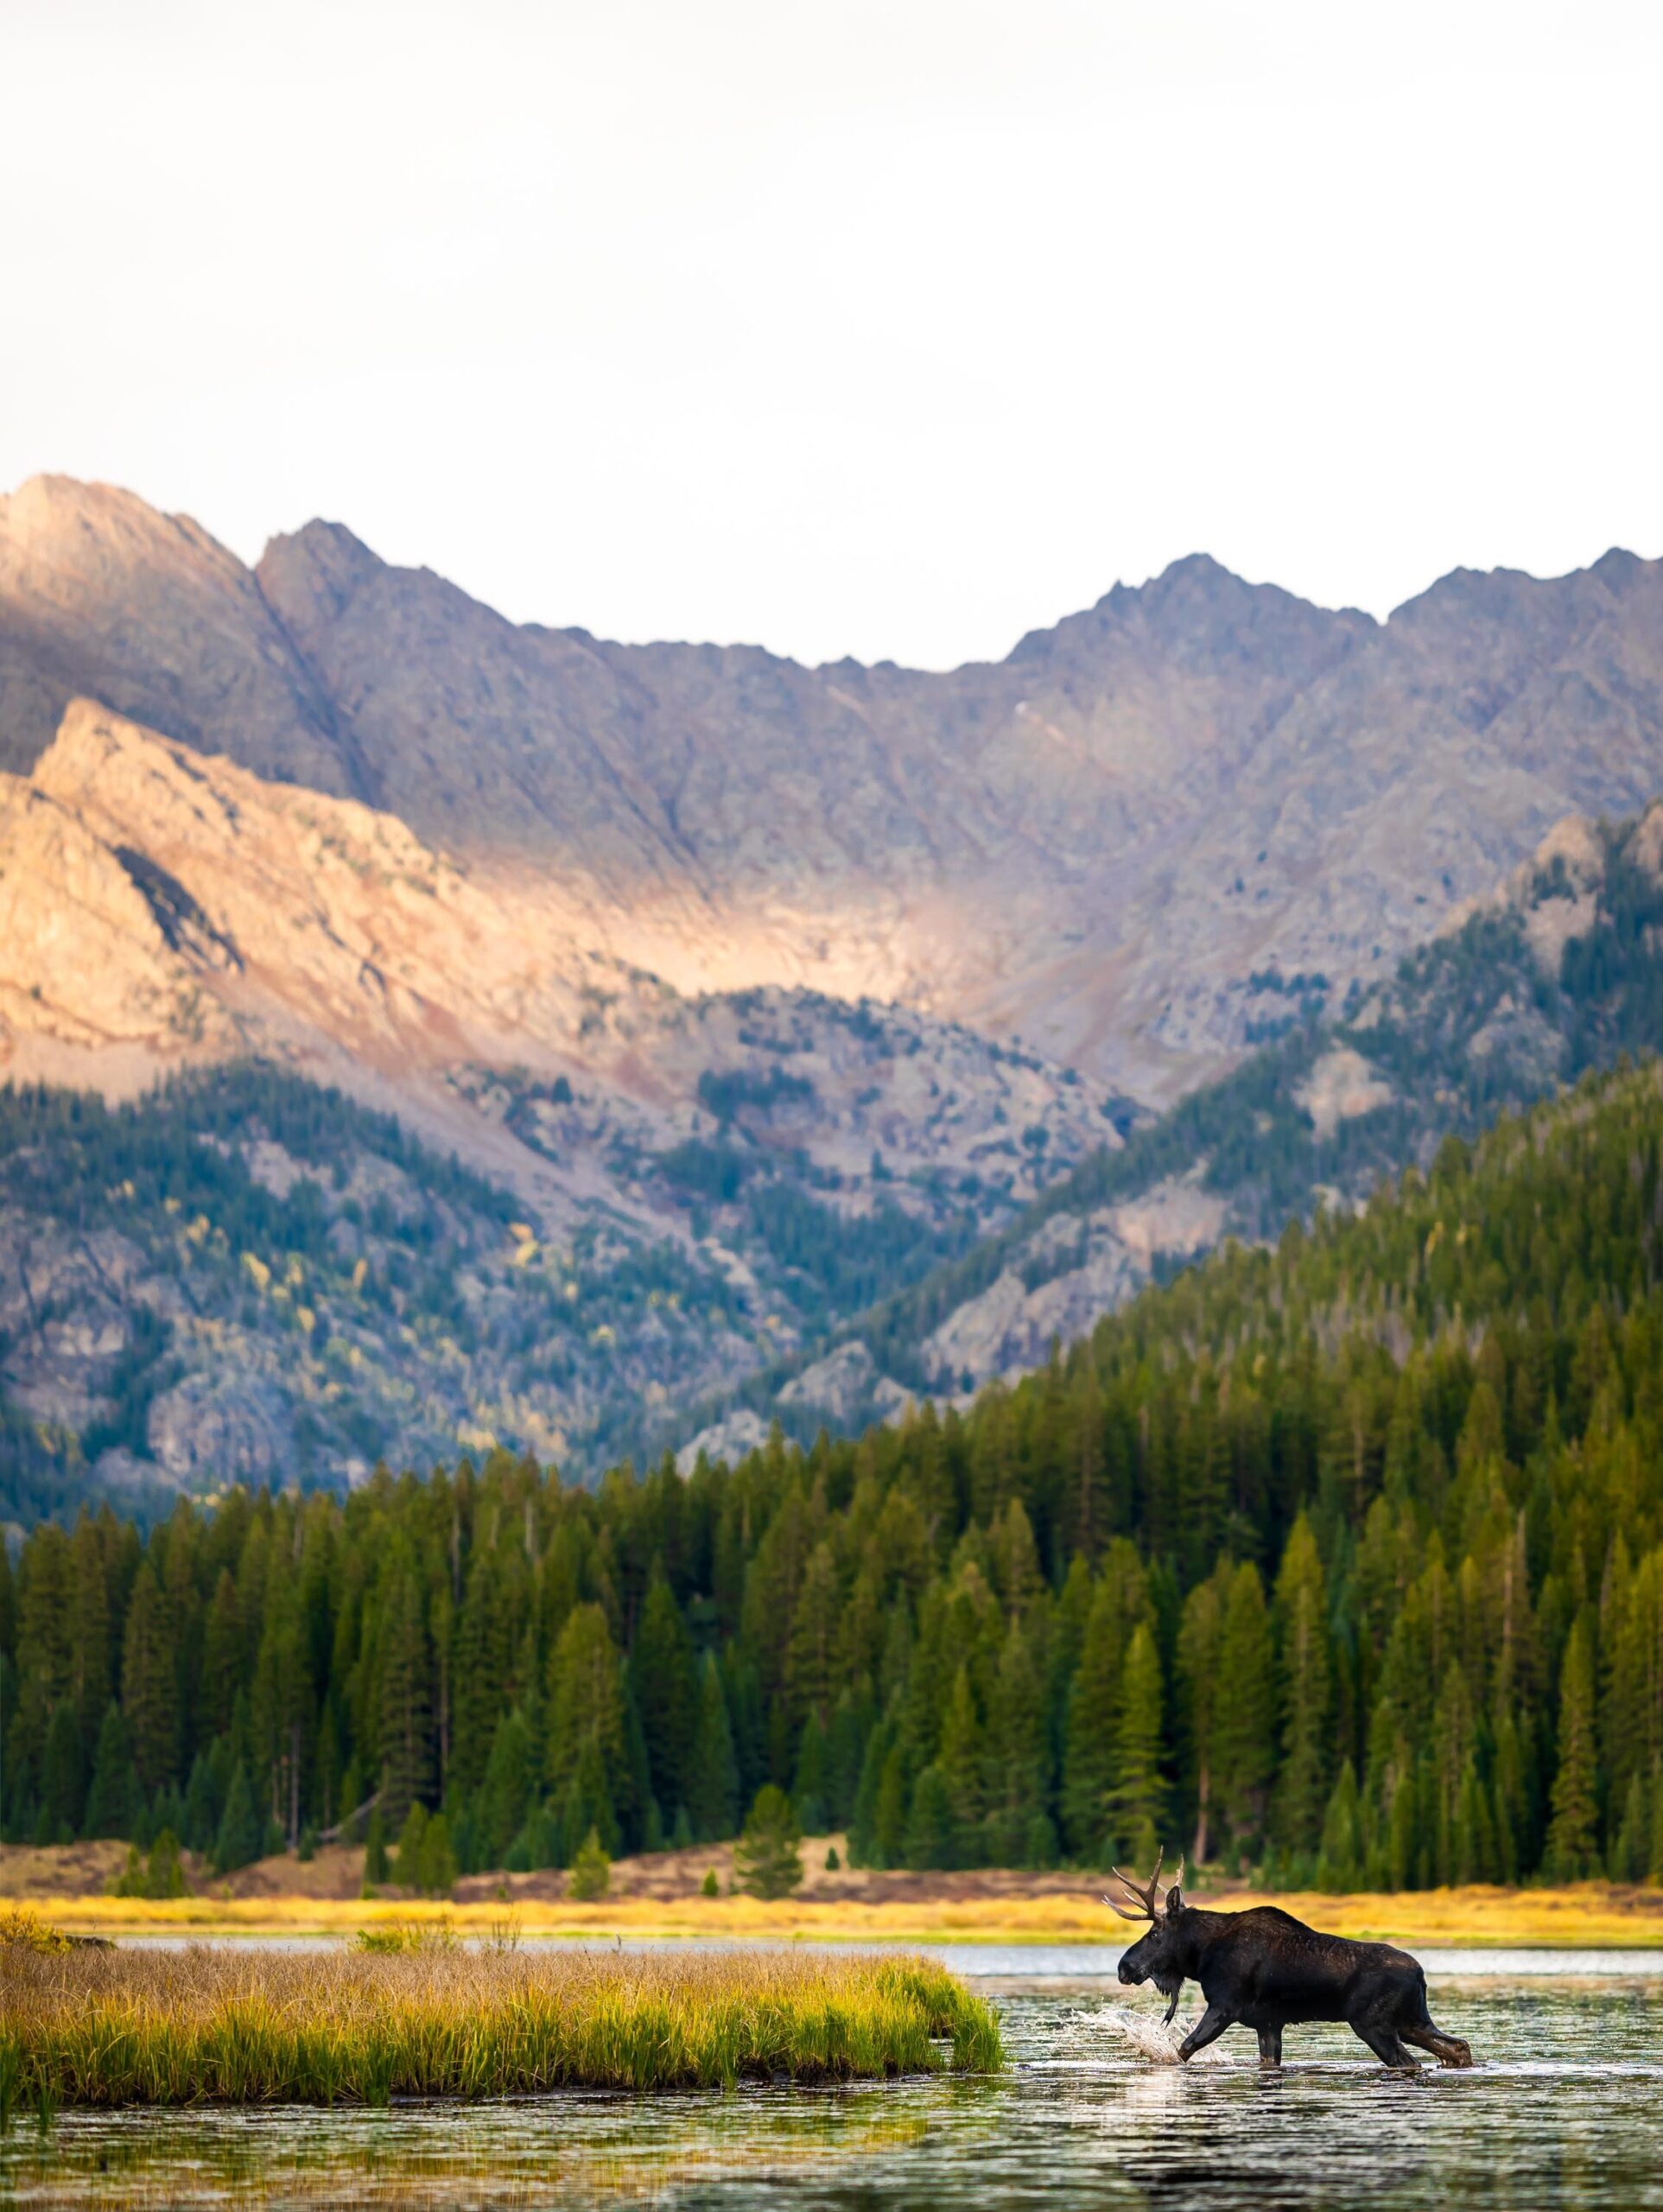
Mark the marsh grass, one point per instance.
(200, 2026)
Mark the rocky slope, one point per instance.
(1555, 971)
(681, 1191)
(1125, 841)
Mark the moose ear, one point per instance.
(1174, 1899)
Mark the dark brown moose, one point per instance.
(1267, 1971)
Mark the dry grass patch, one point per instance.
(1592, 1913)
(202, 2026)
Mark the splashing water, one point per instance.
(1148, 2035)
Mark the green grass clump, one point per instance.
(200, 2026)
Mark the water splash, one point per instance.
(1149, 2035)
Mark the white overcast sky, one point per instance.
(889, 330)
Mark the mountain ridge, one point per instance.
(1093, 843)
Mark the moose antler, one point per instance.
(1151, 1906)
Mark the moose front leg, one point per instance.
(1270, 2046)
(1208, 2029)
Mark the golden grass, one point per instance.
(198, 2026)
(1589, 1914)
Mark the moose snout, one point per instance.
(1129, 1973)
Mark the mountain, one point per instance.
(1555, 973)
(662, 1194)
(1098, 842)
(712, 967)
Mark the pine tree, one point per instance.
(587, 1728)
(960, 1764)
(667, 1690)
(1135, 1804)
(241, 1829)
(1304, 1679)
(932, 1839)
(765, 1859)
(149, 1682)
(1340, 1858)
(376, 1867)
(405, 1715)
(811, 1784)
(1573, 1837)
(1200, 1631)
(592, 1872)
(712, 1781)
(1017, 1784)
(61, 1786)
(1631, 1850)
(1095, 1699)
(112, 1793)
(1244, 1714)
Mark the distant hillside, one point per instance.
(1558, 972)
(710, 1185)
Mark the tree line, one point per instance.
(1342, 1560)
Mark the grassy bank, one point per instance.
(198, 2026)
(1593, 1913)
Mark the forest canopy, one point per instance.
(1340, 1558)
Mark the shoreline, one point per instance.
(1589, 1916)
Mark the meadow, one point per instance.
(90, 2027)
(1572, 1916)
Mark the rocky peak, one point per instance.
(322, 565)
(103, 597)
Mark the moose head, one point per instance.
(1158, 1956)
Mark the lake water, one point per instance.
(1564, 2109)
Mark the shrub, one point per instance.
(592, 1871)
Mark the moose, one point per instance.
(1267, 1971)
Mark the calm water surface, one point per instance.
(1567, 2108)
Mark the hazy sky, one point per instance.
(889, 330)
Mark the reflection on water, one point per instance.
(1566, 2110)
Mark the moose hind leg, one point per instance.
(1270, 2046)
(1382, 2038)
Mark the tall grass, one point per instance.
(202, 2026)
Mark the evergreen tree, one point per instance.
(585, 1726)
(591, 1875)
(712, 1781)
(241, 1829)
(1094, 1700)
(1200, 1634)
(112, 1793)
(666, 1694)
(1244, 1714)
(1137, 1796)
(405, 1716)
(1016, 1782)
(1572, 1838)
(61, 1785)
(1303, 1675)
(766, 1859)
(1340, 1864)
(149, 1682)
